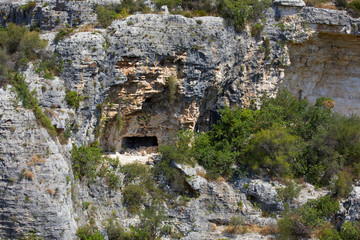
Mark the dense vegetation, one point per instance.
(19, 46)
(285, 138)
(236, 13)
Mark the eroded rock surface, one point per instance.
(148, 76)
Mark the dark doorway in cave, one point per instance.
(136, 142)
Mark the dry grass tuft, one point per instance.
(201, 173)
(36, 160)
(50, 112)
(263, 230)
(28, 175)
(86, 28)
(235, 230)
(51, 192)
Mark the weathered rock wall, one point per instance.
(326, 62)
(125, 74)
(35, 176)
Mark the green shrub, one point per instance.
(31, 45)
(173, 178)
(14, 35)
(73, 99)
(135, 172)
(329, 233)
(62, 33)
(29, 6)
(105, 16)
(341, 185)
(237, 13)
(139, 183)
(237, 221)
(315, 212)
(29, 101)
(286, 226)
(133, 197)
(85, 160)
(172, 84)
(50, 67)
(341, 4)
(119, 121)
(216, 157)
(290, 192)
(256, 30)
(113, 180)
(151, 221)
(169, 3)
(349, 231)
(274, 149)
(85, 205)
(353, 8)
(88, 232)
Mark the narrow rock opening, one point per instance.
(137, 142)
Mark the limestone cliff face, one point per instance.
(149, 76)
(327, 64)
(35, 176)
(130, 68)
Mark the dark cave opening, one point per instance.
(137, 142)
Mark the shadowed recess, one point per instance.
(136, 142)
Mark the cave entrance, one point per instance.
(137, 142)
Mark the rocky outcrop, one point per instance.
(148, 76)
(349, 210)
(35, 176)
(326, 64)
(128, 69)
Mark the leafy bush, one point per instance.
(105, 16)
(237, 13)
(299, 223)
(17, 39)
(172, 177)
(85, 160)
(172, 85)
(353, 8)
(150, 227)
(134, 196)
(29, 6)
(314, 212)
(73, 99)
(151, 219)
(113, 180)
(62, 33)
(180, 152)
(29, 101)
(285, 136)
(286, 225)
(50, 67)
(349, 231)
(88, 232)
(329, 233)
(216, 157)
(139, 187)
(341, 185)
(169, 3)
(274, 149)
(290, 192)
(135, 172)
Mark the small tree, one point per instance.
(85, 160)
(105, 16)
